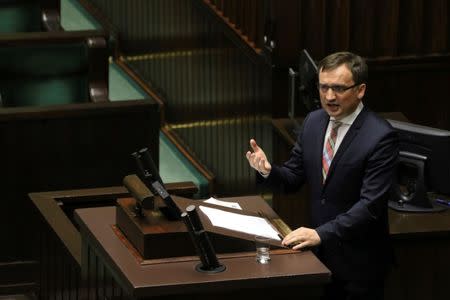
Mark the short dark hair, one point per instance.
(355, 63)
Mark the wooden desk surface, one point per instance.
(176, 277)
(407, 224)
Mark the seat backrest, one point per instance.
(29, 15)
(20, 16)
(52, 68)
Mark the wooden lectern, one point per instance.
(151, 257)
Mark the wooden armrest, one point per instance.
(50, 15)
(51, 20)
(185, 188)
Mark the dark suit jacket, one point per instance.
(349, 210)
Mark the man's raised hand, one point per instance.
(257, 159)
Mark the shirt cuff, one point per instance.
(264, 175)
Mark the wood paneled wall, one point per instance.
(387, 28)
(417, 87)
(249, 18)
(406, 42)
(211, 90)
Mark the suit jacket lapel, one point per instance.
(351, 133)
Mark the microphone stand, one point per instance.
(208, 259)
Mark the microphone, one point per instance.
(151, 167)
(150, 175)
(209, 262)
(194, 218)
(204, 263)
(171, 211)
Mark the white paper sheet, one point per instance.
(215, 201)
(247, 224)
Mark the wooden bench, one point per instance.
(66, 146)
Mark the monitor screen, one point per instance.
(424, 168)
(308, 78)
(303, 92)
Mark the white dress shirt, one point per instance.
(342, 131)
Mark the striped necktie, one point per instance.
(328, 151)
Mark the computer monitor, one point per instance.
(308, 94)
(424, 168)
(308, 78)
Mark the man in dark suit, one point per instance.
(347, 155)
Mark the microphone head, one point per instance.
(190, 208)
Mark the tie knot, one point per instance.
(335, 124)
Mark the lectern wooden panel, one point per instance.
(108, 258)
(152, 228)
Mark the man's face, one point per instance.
(337, 99)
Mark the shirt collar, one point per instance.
(348, 120)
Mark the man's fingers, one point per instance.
(257, 158)
(253, 160)
(292, 243)
(256, 161)
(289, 240)
(261, 165)
(248, 154)
(254, 145)
(301, 245)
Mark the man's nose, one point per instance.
(330, 94)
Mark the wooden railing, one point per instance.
(247, 18)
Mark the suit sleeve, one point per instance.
(375, 190)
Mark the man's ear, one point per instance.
(361, 91)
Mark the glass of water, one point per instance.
(262, 249)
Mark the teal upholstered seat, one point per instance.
(122, 86)
(174, 167)
(20, 16)
(75, 17)
(44, 74)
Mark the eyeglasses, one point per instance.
(338, 89)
